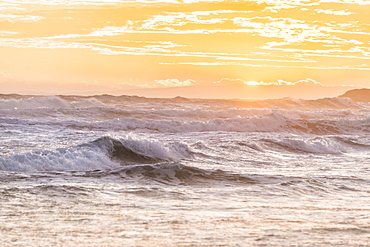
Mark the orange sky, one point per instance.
(117, 45)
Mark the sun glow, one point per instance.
(252, 83)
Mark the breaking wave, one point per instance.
(103, 153)
(127, 158)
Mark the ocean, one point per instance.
(132, 171)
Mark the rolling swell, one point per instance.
(178, 174)
(173, 173)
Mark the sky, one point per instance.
(191, 48)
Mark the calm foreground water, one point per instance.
(131, 171)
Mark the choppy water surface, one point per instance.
(131, 171)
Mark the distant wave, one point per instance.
(106, 113)
(34, 102)
(330, 144)
(46, 102)
(272, 122)
(181, 115)
(103, 153)
(283, 103)
(314, 145)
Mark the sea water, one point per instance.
(132, 171)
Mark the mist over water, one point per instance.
(132, 171)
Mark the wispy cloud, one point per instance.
(266, 65)
(4, 75)
(334, 12)
(173, 83)
(7, 33)
(103, 2)
(20, 18)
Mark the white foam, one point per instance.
(320, 145)
(91, 102)
(155, 149)
(71, 159)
